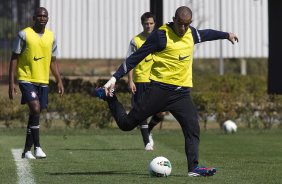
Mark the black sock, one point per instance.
(28, 140)
(34, 125)
(35, 135)
(145, 134)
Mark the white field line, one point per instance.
(23, 168)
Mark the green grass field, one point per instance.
(113, 156)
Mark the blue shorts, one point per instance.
(31, 92)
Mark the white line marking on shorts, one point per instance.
(23, 168)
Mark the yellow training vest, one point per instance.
(34, 62)
(173, 65)
(141, 72)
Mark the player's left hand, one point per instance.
(12, 90)
(110, 86)
(232, 38)
(61, 89)
(132, 87)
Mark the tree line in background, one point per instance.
(240, 98)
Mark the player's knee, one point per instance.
(126, 129)
(35, 110)
(125, 125)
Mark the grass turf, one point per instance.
(113, 156)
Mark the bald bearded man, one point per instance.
(171, 48)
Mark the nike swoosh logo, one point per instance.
(182, 57)
(36, 59)
(147, 60)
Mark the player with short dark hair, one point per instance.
(138, 78)
(34, 54)
(171, 47)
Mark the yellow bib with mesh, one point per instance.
(141, 72)
(34, 62)
(173, 65)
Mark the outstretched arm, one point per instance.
(210, 34)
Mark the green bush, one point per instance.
(12, 111)
(236, 97)
(80, 110)
(240, 98)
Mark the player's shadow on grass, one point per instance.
(97, 173)
(103, 173)
(102, 149)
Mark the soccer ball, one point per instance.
(160, 167)
(229, 127)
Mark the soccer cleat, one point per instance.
(151, 141)
(101, 93)
(202, 171)
(39, 153)
(28, 155)
(149, 147)
(98, 92)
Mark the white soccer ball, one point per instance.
(229, 127)
(160, 167)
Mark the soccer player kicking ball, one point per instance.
(172, 48)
